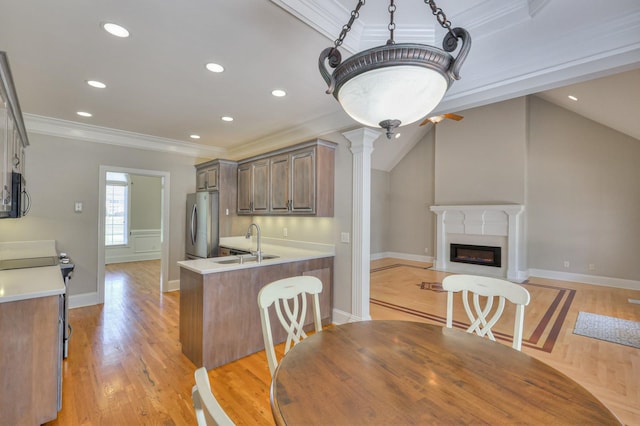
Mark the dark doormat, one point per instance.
(610, 329)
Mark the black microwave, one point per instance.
(20, 202)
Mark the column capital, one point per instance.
(361, 139)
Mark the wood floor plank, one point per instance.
(126, 367)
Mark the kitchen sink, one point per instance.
(245, 259)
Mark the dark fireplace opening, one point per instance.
(477, 255)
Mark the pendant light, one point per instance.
(394, 84)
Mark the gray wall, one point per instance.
(578, 180)
(411, 229)
(482, 159)
(146, 202)
(60, 172)
(583, 195)
(380, 211)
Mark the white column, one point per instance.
(361, 148)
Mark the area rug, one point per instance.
(417, 291)
(610, 329)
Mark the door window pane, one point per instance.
(117, 206)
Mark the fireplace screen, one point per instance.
(477, 255)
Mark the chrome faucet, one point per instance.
(258, 252)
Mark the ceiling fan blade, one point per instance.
(425, 121)
(453, 116)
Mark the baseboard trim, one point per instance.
(404, 256)
(340, 317)
(134, 257)
(172, 285)
(586, 279)
(82, 300)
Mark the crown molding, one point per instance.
(327, 17)
(311, 129)
(86, 132)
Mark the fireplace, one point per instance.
(498, 227)
(476, 255)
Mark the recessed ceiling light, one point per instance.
(278, 93)
(115, 29)
(214, 67)
(573, 98)
(84, 114)
(195, 136)
(226, 118)
(97, 84)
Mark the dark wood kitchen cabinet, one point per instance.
(221, 176)
(219, 315)
(300, 181)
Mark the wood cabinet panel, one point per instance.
(280, 184)
(245, 197)
(31, 359)
(225, 324)
(260, 186)
(303, 181)
(253, 187)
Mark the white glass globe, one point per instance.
(403, 92)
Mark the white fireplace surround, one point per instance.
(490, 225)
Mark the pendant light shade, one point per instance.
(394, 84)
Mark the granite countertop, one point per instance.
(286, 251)
(29, 283)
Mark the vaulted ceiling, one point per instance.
(158, 87)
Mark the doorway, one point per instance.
(164, 223)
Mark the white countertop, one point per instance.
(286, 250)
(29, 283)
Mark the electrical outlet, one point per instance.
(566, 264)
(426, 250)
(344, 237)
(285, 232)
(78, 207)
(592, 267)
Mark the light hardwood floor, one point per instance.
(126, 368)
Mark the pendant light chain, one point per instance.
(440, 16)
(392, 25)
(355, 13)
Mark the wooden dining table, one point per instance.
(402, 372)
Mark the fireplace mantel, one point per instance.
(501, 225)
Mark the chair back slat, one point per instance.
(289, 297)
(482, 320)
(207, 408)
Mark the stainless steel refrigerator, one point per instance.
(202, 225)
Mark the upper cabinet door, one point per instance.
(303, 181)
(244, 188)
(260, 186)
(280, 201)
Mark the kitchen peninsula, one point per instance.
(219, 315)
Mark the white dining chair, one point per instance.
(289, 296)
(208, 410)
(473, 287)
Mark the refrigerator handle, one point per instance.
(194, 224)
